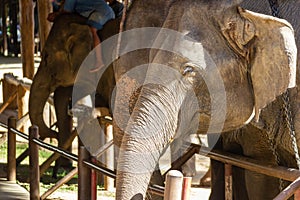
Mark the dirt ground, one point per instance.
(12, 65)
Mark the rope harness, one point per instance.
(121, 29)
(287, 112)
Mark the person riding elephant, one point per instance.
(97, 13)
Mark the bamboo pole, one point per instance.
(34, 170)
(11, 151)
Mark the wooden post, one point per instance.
(34, 170)
(186, 188)
(8, 90)
(173, 189)
(27, 37)
(11, 150)
(84, 174)
(297, 194)
(44, 8)
(109, 157)
(13, 15)
(4, 28)
(228, 182)
(93, 182)
(23, 96)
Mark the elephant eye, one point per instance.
(188, 69)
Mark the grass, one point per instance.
(47, 181)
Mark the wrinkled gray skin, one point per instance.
(253, 139)
(256, 58)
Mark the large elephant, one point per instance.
(252, 55)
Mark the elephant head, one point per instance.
(69, 42)
(252, 57)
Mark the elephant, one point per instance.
(68, 43)
(218, 47)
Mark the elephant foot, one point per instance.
(65, 165)
(205, 182)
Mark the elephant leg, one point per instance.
(62, 98)
(260, 186)
(226, 143)
(256, 145)
(156, 179)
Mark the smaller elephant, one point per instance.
(68, 44)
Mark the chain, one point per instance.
(273, 146)
(290, 125)
(287, 110)
(286, 100)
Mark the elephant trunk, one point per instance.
(151, 127)
(39, 93)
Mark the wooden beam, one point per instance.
(27, 37)
(44, 8)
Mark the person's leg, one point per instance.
(97, 41)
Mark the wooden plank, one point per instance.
(285, 173)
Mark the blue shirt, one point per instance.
(86, 7)
(98, 12)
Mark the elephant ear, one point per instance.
(78, 44)
(268, 44)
